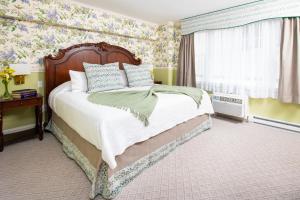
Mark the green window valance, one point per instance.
(241, 15)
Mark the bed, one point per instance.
(110, 145)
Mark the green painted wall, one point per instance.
(22, 116)
(166, 75)
(268, 108)
(274, 109)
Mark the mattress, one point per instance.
(112, 130)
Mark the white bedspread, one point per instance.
(112, 130)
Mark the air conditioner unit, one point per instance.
(230, 105)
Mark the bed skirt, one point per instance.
(108, 184)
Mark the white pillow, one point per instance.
(78, 80)
(124, 77)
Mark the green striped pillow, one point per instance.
(103, 77)
(138, 75)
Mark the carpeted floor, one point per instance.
(232, 161)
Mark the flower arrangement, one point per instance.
(6, 74)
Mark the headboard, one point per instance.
(57, 67)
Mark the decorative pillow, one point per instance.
(78, 80)
(138, 75)
(124, 78)
(103, 77)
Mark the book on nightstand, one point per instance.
(23, 94)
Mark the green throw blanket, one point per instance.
(142, 103)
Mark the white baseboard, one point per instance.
(275, 123)
(17, 129)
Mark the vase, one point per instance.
(6, 94)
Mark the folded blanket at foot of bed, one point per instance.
(142, 103)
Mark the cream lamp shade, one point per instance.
(20, 71)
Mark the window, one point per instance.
(243, 60)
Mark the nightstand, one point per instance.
(36, 102)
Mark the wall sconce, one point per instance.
(20, 71)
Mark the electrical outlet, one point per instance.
(40, 84)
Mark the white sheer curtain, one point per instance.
(243, 60)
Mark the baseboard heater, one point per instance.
(276, 123)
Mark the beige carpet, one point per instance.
(231, 161)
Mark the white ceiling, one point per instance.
(162, 11)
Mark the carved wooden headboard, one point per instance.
(57, 67)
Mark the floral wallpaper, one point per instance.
(167, 45)
(25, 42)
(73, 15)
(31, 29)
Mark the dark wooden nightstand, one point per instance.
(36, 102)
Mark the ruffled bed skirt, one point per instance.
(109, 187)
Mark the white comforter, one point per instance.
(112, 130)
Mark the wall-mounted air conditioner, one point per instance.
(230, 105)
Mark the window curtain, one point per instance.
(289, 84)
(244, 60)
(186, 62)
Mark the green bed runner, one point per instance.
(142, 103)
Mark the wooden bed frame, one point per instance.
(138, 157)
(57, 67)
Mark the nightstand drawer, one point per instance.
(21, 103)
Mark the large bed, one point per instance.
(111, 145)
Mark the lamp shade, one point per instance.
(21, 69)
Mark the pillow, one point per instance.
(78, 80)
(124, 78)
(103, 77)
(138, 75)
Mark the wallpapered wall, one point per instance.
(31, 29)
(167, 45)
(40, 27)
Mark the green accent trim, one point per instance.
(274, 109)
(165, 74)
(253, 2)
(229, 27)
(269, 108)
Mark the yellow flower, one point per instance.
(7, 73)
(11, 71)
